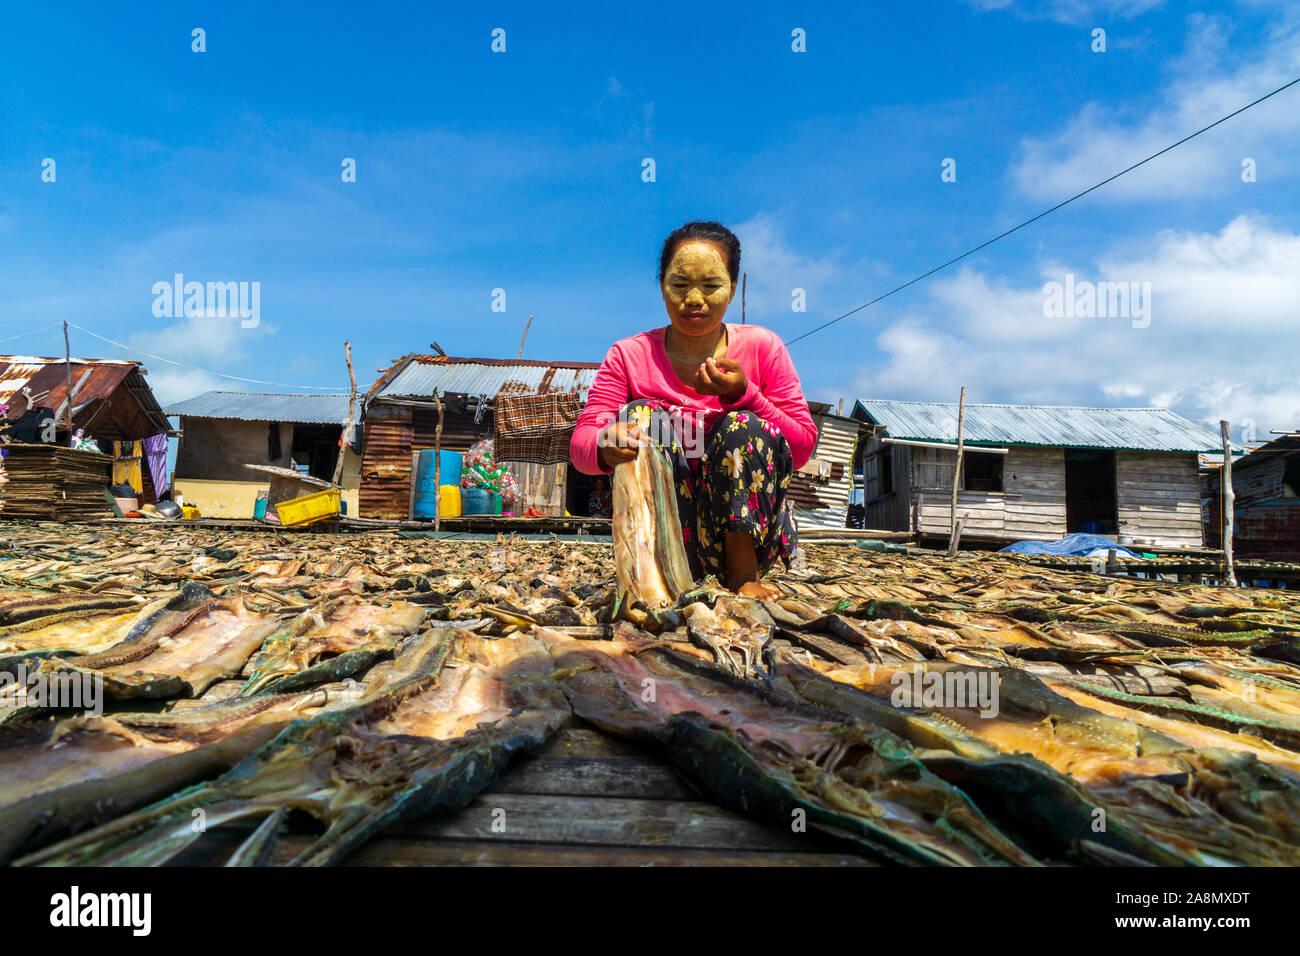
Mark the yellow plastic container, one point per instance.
(308, 508)
(189, 512)
(449, 501)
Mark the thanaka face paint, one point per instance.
(697, 288)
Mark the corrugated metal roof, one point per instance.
(313, 408)
(419, 376)
(1068, 426)
(18, 370)
(111, 396)
(14, 375)
(833, 518)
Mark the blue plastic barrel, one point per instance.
(475, 501)
(426, 484)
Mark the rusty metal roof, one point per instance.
(420, 376)
(1282, 446)
(111, 398)
(1065, 426)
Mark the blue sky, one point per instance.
(522, 171)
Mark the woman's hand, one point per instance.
(721, 377)
(619, 442)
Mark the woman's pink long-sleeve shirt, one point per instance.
(638, 367)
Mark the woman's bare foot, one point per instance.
(742, 566)
(758, 591)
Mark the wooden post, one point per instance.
(956, 474)
(67, 364)
(347, 425)
(437, 459)
(523, 337)
(1227, 504)
(955, 539)
(744, 280)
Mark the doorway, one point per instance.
(1090, 491)
(316, 447)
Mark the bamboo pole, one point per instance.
(437, 461)
(1227, 504)
(956, 473)
(347, 425)
(744, 280)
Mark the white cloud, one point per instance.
(171, 384)
(219, 344)
(1222, 342)
(775, 268)
(1213, 77)
(1074, 12)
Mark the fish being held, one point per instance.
(648, 551)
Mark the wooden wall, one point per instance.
(1037, 477)
(1157, 495)
(1158, 498)
(541, 486)
(1030, 505)
(393, 433)
(1267, 521)
(216, 449)
(891, 512)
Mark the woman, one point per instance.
(725, 403)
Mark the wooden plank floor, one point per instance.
(586, 799)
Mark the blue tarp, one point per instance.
(1073, 546)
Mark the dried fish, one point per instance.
(194, 640)
(1171, 706)
(342, 637)
(776, 758)
(68, 633)
(736, 630)
(55, 776)
(1243, 810)
(649, 556)
(423, 742)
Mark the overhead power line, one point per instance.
(1045, 212)
(195, 368)
(54, 325)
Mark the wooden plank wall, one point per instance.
(1158, 496)
(541, 486)
(1030, 505)
(891, 512)
(1266, 523)
(1037, 475)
